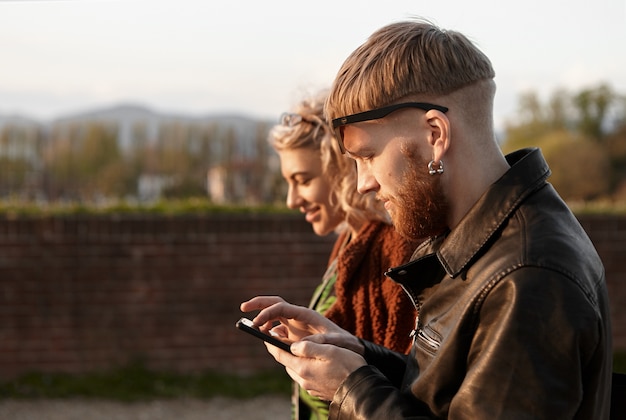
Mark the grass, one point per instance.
(135, 382)
(598, 207)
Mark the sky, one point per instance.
(257, 58)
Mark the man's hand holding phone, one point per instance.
(323, 353)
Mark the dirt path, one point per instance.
(265, 407)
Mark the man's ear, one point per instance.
(439, 133)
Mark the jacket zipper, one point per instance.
(418, 306)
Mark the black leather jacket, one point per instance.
(513, 317)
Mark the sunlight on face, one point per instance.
(309, 189)
(389, 163)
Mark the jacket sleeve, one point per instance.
(391, 364)
(373, 391)
(368, 394)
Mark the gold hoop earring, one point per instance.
(434, 171)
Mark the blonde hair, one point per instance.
(411, 58)
(306, 128)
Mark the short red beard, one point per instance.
(421, 206)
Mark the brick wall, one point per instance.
(608, 233)
(87, 293)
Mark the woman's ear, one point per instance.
(439, 133)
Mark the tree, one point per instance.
(579, 167)
(581, 143)
(20, 165)
(592, 106)
(78, 159)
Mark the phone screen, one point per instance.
(246, 325)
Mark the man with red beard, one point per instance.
(513, 316)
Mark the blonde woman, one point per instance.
(354, 292)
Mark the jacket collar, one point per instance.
(455, 251)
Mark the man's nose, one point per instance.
(366, 182)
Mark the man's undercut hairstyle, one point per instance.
(406, 59)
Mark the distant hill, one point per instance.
(128, 116)
(135, 112)
(18, 120)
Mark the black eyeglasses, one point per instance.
(374, 114)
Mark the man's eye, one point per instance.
(362, 155)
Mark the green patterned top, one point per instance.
(322, 300)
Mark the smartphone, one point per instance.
(244, 324)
